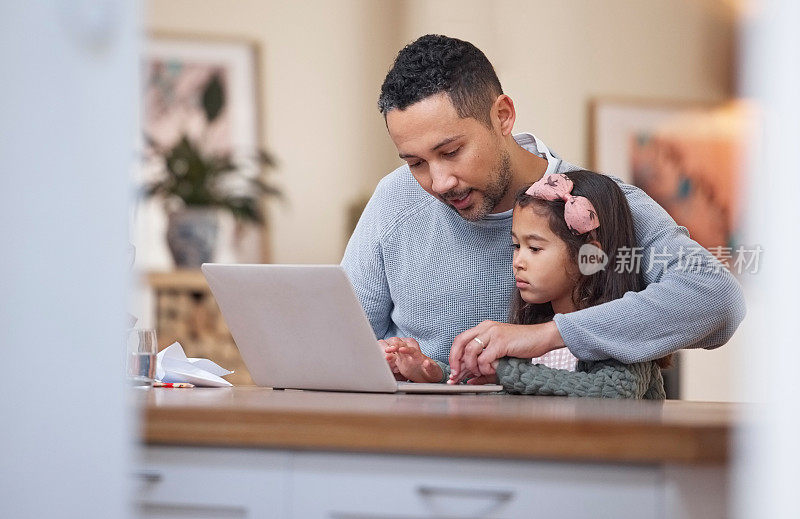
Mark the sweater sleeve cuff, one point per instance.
(570, 332)
(445, 371)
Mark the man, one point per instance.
(430, 256)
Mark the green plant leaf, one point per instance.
(205, 180)
(265, 189)
(156, 189)
(223, 164)
(213, 97)
(265, 159)
(244, 208)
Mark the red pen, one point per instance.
(172, 384)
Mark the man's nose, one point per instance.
(442, 179)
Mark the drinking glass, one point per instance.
(142, 348)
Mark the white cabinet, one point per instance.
(195, 482)
(184, 483)
(335, 486)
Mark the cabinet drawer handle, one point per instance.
(148, 476)
(501, 496)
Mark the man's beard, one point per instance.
(493, 194)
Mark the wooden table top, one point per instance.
(498, 426)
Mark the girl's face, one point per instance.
(543, 268)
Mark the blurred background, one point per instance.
(248, 131)
(643, 90)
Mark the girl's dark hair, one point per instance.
(615, 234)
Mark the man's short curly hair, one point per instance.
(434, 64)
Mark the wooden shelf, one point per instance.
(183, 279)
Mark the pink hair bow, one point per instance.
(579, 212)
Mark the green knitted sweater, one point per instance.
(601, 379)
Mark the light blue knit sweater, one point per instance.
(422, 271)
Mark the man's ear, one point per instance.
(504, 113)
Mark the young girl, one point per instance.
(558, 224)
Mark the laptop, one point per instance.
(302, 327)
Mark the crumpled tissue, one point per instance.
(172, 365)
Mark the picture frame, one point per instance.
(688, 156)
(236, 58)
(174, 69)
(612, 120)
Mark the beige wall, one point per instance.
(322, 64)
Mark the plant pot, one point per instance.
(192, 236)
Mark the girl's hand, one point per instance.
(410, 362)
(391, 356)
(469, 356)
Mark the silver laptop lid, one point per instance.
(300, 326)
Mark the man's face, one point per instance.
(458, 160)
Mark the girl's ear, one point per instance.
(592, 239)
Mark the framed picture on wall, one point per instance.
(184, 79)
(613, 122)
(687, 156)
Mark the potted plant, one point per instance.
(196, 184)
